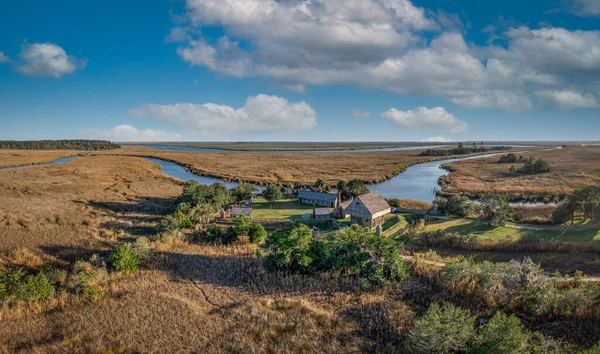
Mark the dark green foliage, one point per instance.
(321, 186)
(289, 249)
(168, 224)
(584, 200)
(394, 202)
(502, 334)
(272, 193)
(58, 145)
(243, 191)
(216, 234)
(509, 158)
(359, 252)
(443, 329)
(242, 224)
(124, 259)
(195, 194)
(462, 150)
(532, 166)
(495, 210)
(16, 285)
(456, 205)
(257, 233)
(353, 188)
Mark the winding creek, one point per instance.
(418, 182)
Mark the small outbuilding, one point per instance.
(237, 211)
(316, 198)
(368, 210)
(321, 213)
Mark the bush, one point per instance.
(183, 220)
(443, 329)
(168, 224)
(142, 249)
(124, 259)
(242, 224)
(289, 249)
(16, 285)
(87, 280)
(257, 233)
(503, 334)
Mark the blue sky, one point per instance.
(329, 70)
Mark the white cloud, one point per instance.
(261, 114)
(380, 44)
(47, 59)
(359, 113)
(437, 139)
(3, 58)
(436, 119)
(569, 99)
(586, 8)
(126, 132)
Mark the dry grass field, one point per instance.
(296, 146)
(9, 158)
(371, 167)
(190, 297)
(572, 168)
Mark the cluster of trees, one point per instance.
(58, 145)
(352, 188)
(463, 150)
(244, 226)
(355, 252)
(455, 205)
(510, 158)
(199, 203)
(533, 166)
(585, 201)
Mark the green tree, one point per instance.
(321, 186)
(243, 191)
(242, 224)
(272, 193)
(495, 210)
(503, 334)
(257, 233)
(356, 187)
(125, 259)
(289, 249)
(443, 329)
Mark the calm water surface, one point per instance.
(55, 162)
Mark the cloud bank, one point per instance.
(126, 132)
(423, 118)
(262, 114)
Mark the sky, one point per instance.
(300, 70)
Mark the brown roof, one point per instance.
(346, 203)
(374, 202)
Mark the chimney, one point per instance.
(314, 211)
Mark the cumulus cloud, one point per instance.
(381, 44)
(569, 99)
(47, 59)
(586, 8)
(437, 139)
(126, 132)
(423, 118)
(359, 113)
(3, 58)
(261, 114)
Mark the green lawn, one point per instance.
(466, 227)
(286, 209)
(391, 226)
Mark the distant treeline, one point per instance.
(58, 145)
(463, 150)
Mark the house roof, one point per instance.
(326, 197)
(345, 204)
(322, 211)
(374, 202)
(241, 211)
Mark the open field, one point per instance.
(371, 167)
(508, 233)
(571, 168)
(287, 209)
(295, 146)
(10, 158)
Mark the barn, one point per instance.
(368, 210)
(316, 198)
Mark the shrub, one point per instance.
(257, 233)
(168, 224)
(503, 334)
(16, 285)
(142, 249)
(289, 249)
(87, 280)
(183, 220)
(242, 224)
(442, 329)
(124, 259)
